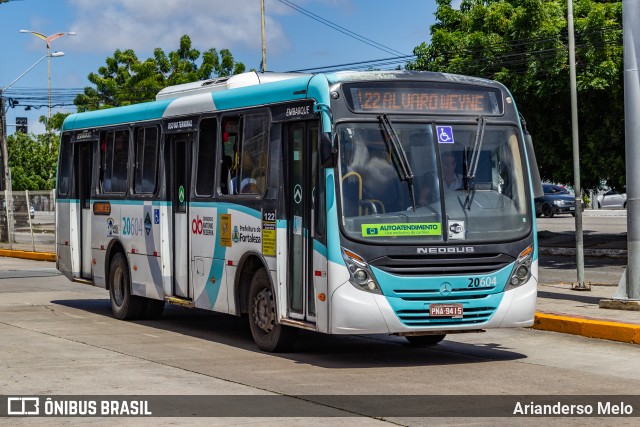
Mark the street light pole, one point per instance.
(48, 40)
(5, 183)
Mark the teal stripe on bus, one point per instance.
(268, 93)
(112, 116)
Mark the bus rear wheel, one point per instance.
(124, 305)
(268, 334)
(425, 340)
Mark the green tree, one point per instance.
(523, 44)
(56, 121)
(126, 80)
(33, 160)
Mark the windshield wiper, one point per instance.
(402, 163)
(472, 167)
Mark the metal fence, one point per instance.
(27, 221)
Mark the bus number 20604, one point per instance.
(482, 282)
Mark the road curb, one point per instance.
(591, 328)
(36, 256)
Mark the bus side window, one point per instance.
(114, 161)
(146, 164)
(253, 165)
(64, 170)
(205, 169)
(106, 147)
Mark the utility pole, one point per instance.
(3, 140)
(631, 43)
(264, 42)
(627, 296)
(4, 235)
(5, 185)
(580, 285)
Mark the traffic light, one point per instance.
(21, 124)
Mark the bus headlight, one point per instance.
(359, 272)
(521, 272)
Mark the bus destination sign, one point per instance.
(462, 100)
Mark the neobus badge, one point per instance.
(447, 250)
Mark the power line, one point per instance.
(341, 29)
(515, 56)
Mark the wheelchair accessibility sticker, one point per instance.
(445, 134)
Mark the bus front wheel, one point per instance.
(425, 340)
(268, 334)
(124, 305)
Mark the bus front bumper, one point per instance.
(357, 312)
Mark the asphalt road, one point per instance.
(59, 337)
(609, 224)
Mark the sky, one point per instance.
(294, 41)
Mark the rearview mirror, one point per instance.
(328, 152)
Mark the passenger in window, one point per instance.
(452, 180)
(247, 182)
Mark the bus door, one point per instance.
(301, 199)
(180, 188)
(83, 155)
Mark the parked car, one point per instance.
(556, 200)
(612, 200)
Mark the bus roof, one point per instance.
(245, 90)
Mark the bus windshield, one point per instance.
(468, 183)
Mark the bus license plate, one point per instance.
(446, 310)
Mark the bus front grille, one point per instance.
(441, 265)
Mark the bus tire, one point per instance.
(268, 334)
(124, 305)
(153, 309)
(425, 340)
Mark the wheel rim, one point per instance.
(118, 287)
(264, 313)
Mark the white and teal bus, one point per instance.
(345, 203)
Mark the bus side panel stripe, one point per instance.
(272, 93)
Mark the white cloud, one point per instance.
(143, 25)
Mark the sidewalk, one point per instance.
(561, 309)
